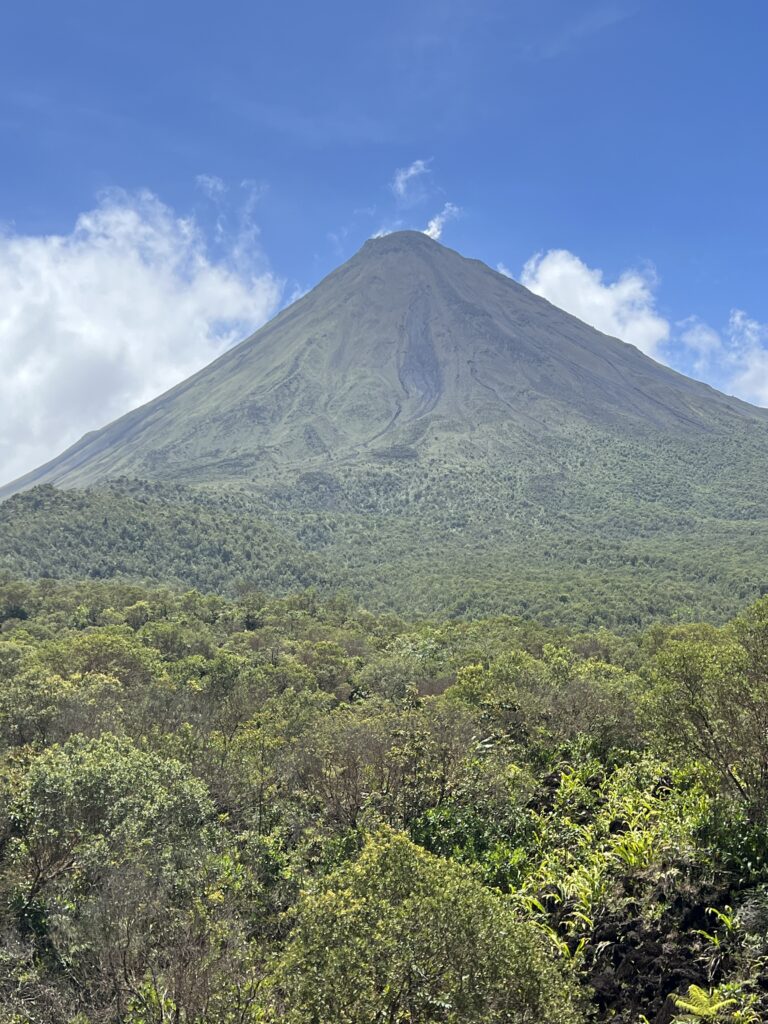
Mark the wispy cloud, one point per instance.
(586, 23)
(738, 354)
(97, 321)
(747, 343)
(699, 338)
(387, 228)
(211, 185)
(435, 227)
(337, 124)
(411, 185)
(405, 176)
(742, 349)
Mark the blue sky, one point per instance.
(240, 151)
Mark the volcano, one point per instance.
(444, 440)
(408, 345)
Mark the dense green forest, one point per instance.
(254, 809)
(451, 545)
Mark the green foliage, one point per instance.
(589, 554)
(156, 532)
(233, 811)
(710, 699)
(701, 1005)
(401, 935)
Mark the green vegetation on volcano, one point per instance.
(252, 811)
(586, 558)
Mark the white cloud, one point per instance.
(737, 356)
(747, 352)
(435, 227)
(744, 333)
(624, 308)
(701, 339)
(405, 176)
(97, 321)
(504, 269)
(734, 359)
(585, 24)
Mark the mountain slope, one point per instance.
(406, 343)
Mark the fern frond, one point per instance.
(702, 1005)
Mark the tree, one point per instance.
(709, 700)
(112, 851)
(401, 935)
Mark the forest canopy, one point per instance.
(248, 810)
